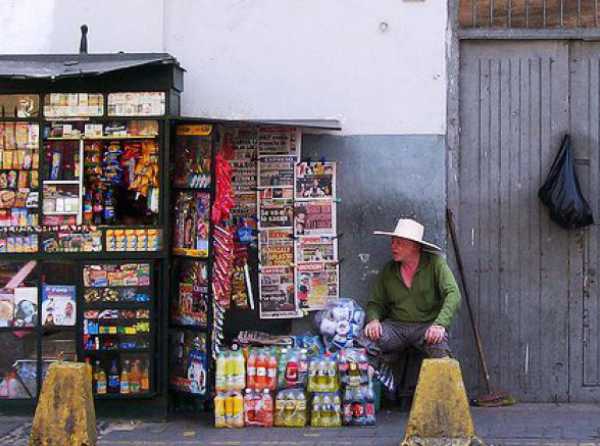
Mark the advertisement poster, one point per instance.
(188, 362)
(276, 171)
(276, 213)
(7, 307)
(190, 305)
(316, 284)
(190, 232)
(316, 249)
(314, 218)
(192, 164)
(26, 307)
(279, 141)
(277, 297)
(58, 305)
(315, 181)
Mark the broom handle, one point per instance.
(486, 374)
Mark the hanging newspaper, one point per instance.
(276, 171)
(279, 141)
(276, 247)
(316, 284)
(316, 249)
(276, 214)
(244, 165)
(314, 218)
(315, 181)
(277, 297)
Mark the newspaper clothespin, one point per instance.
(337, 200)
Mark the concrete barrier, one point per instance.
(65, 412)
(440, 414)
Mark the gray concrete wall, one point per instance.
(380, 179)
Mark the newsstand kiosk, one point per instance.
(106, 235)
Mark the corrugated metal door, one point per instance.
(533, 283)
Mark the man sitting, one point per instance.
(415, 297)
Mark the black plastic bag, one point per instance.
(562, 194)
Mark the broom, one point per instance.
(497, 397)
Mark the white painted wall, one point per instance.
(268, 58)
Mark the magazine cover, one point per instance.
(316, 284)
(314, 218)
(26, 307)
(188, 362)
(190, 305)
(276, 171)
(279, 141)
(192, 163)
(7, 307)
(190, 232)
(276, 214)
(277, 297)
(316, 249)
(315, 181)
(58, 305)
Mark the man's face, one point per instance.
(403, 249)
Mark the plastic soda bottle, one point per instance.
(238, 410)
(220, 381)
(290, 408)
(145, 378)
(261, 371)
(125, 378)
(239, 370)
(100, 379)
(267, 407)
(300, 410)
(337, 411)
(114, 383)
(229, 370)
(251, 371)
(229, 410)
(272, 372)
(370, 406)
(249, 408)
(315, 419)
(134, 377)
(312, 376)
(220, 418)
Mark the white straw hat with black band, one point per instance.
(410, 230)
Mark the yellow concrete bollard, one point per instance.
(440, 414)
(65, 412)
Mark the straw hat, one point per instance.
(411, 230)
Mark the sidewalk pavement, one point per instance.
(520, 425)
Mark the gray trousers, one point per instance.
(398, 336)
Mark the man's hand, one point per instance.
(435, 334)
(373, 330)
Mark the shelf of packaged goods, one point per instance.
(124, 396)
(116, 351)
(51, 182)
(197, 328)
(103, 137)
(117, 306)
(5, 329)
(187, 256)
(60, 213)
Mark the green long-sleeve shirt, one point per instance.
(433, 297)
